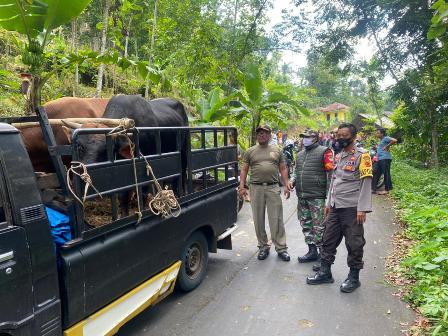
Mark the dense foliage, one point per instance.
(422, 196)
(410, 39)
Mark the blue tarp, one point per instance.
(60, 228)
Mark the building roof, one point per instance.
(334, 107)
(385, 121)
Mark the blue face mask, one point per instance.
(308, 141)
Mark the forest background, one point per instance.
(223, 62)
(204, 53)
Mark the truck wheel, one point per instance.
(194, 262)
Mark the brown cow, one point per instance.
(66, 107)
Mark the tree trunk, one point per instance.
(252, 29)
(434, 142)
(99, 83)
(136, 48)
(380, 48)
(75, 50)
(232, 48)
(256, 119)
(35, 96)
(253, 134)
(126, 40)
(151, 51)
(435, 147)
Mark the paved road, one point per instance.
(244, 296)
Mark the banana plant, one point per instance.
(36, 19)
(260, 102)
(214, 107)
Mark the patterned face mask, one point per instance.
(308, 141)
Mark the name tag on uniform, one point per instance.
(350, 166)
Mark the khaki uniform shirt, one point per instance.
(351, 183)
(264, 163)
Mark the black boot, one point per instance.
(312, 254)
(316, 267)
(352, 282)
(321, 277)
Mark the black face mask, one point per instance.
(343, 143)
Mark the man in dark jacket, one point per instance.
(311, 179)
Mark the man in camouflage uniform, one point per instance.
(348, 201)
(311, 179)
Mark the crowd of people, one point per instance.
(334, 178)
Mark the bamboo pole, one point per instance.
(60, 122)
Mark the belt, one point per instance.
(264, 183)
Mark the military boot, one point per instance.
(316, 267)
(352, 282)
(312, 254)
(321, 277)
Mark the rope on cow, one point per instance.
(84, 175)
(164, 203)
(139, 210)
(123, 128)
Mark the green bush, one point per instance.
(422, 196)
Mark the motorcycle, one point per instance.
(288, 151)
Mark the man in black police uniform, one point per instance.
(348, 201)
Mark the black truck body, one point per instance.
(106, 274)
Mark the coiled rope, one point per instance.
(164, 203)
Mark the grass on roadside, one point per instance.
(422, 201)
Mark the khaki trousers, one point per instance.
(262, 197)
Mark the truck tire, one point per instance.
(194, 262)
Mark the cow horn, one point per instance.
(71, 124)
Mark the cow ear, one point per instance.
(125, 151)
(68, 133)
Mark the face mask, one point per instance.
(343, 143)
(308, 141)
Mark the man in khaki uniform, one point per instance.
(348, 201)
(265, 161)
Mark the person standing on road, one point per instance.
(311, 179)
(384, 161)
(265, 161)
(348, 201)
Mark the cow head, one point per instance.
(92, 147)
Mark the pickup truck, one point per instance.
(108, 272)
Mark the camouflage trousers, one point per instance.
(311, 217)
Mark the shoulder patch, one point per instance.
(365, 166)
